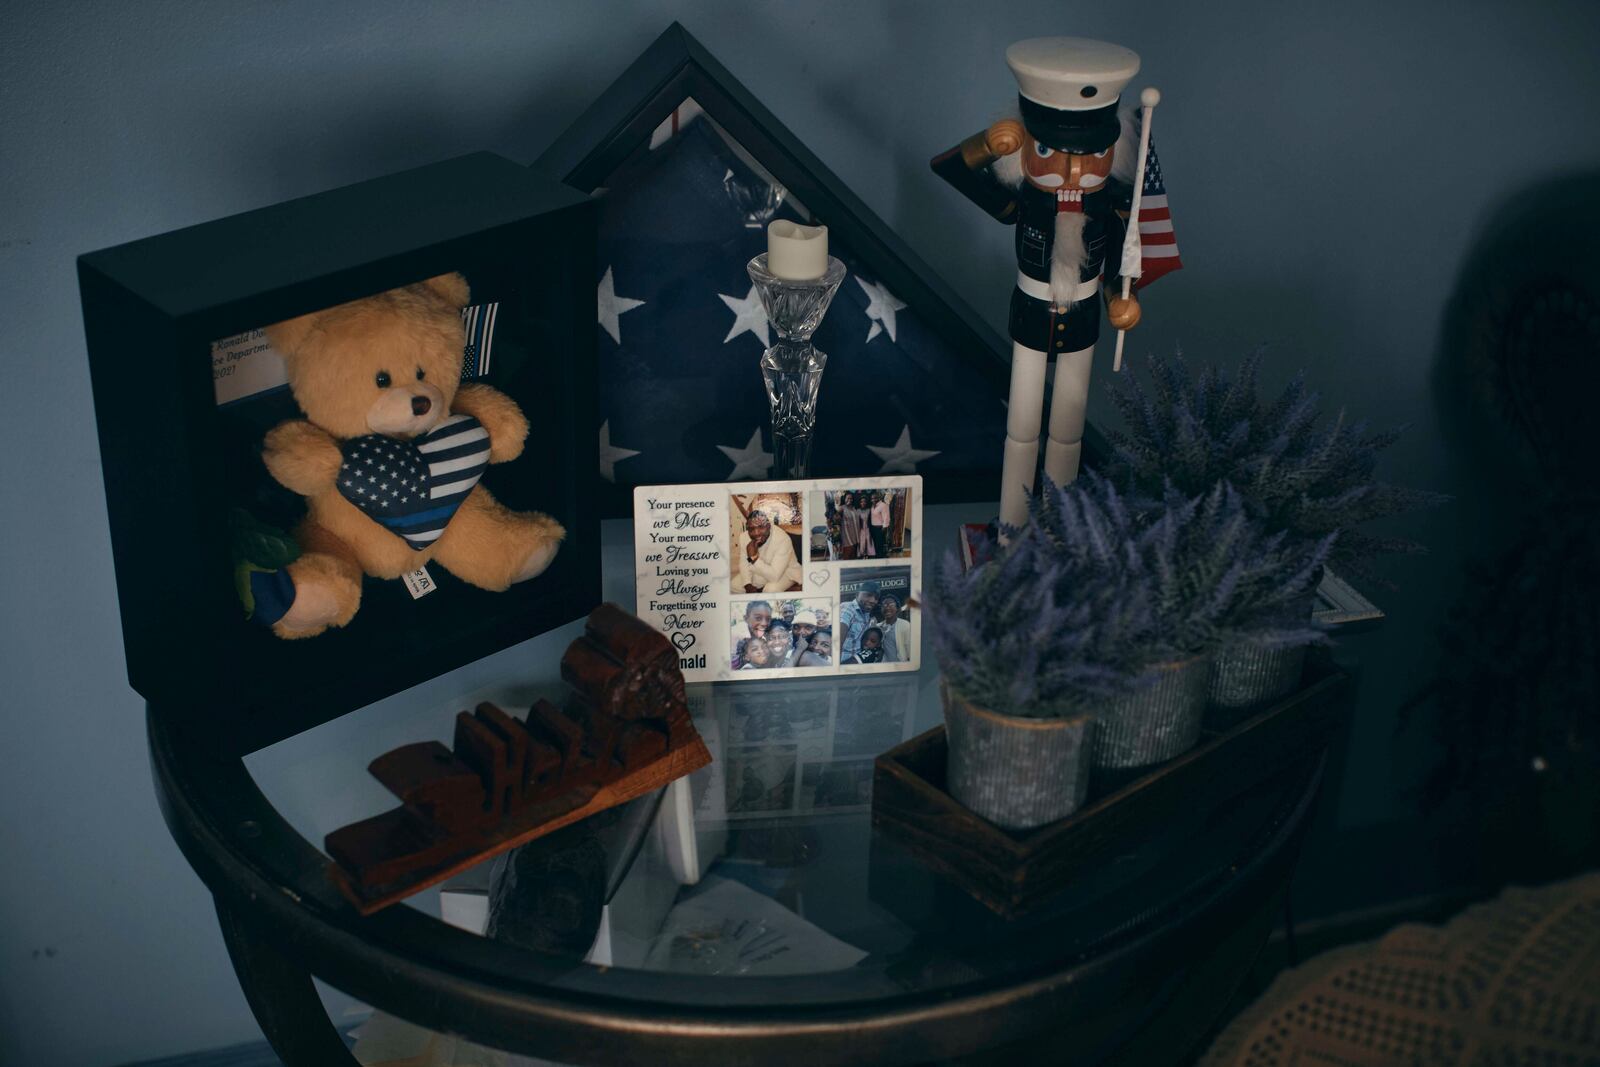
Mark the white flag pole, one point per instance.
(1132, 254)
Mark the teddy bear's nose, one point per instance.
(420, 405)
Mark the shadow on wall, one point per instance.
(1516, 373)
(1517, 689)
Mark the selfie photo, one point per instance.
(774, 634)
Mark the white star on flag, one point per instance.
(613, 306)
(749, 461)
(881, 306)
(748, 314)
(610, 454)
(901, 458)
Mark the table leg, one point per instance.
(281, 996)
(1291, 950)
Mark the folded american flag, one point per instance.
(681, 333)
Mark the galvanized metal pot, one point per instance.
(1014, 771)
(1155, 722)
(1246, 677)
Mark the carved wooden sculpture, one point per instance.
(623, 732)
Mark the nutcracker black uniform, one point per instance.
(1056, 189)
(1038, 320)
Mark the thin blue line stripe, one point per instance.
(420, 517)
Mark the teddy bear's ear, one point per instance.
(287, 336)
(451, 288)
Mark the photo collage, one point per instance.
(821, 578)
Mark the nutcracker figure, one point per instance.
(1050, 175)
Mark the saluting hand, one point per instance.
(1005, 137)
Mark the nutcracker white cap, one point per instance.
(1071, 73)
(1068, 90)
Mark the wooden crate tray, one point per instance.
(1013, 872)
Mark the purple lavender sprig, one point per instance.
(1295, 473)
(1091, 594)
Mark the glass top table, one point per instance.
(750, 909)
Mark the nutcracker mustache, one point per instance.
(1055, 181)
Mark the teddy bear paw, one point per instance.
(324, 595)
(537, 561)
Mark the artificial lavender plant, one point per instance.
(1295, 472)
(1087, 598)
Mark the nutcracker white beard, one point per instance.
(1067, 256)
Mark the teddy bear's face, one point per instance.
(387, 364)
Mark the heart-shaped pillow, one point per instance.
(413, 488)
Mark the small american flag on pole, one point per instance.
(1158, 245)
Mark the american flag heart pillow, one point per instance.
(413, 488)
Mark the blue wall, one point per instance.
(1328, 169)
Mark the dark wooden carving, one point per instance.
(624, 731)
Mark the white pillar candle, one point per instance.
(796, 252)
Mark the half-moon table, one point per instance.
(864, 956)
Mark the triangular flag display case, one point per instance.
(173, 327)
(688, 168)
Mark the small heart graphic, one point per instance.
(819, 578)
(683, 641)
(413, 488)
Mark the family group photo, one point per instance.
(764, 540)
(852, 524)
(772, 634)
(875, 616)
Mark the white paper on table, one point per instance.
(465, 909)
(729, 928)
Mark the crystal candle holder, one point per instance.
(792, 368)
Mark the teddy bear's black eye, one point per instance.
(420, 374)
(383, 379)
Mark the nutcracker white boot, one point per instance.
(1067, 405)
(1024, 415)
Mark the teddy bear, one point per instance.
(390, 453)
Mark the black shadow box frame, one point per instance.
(176, 463)
(676, 68)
